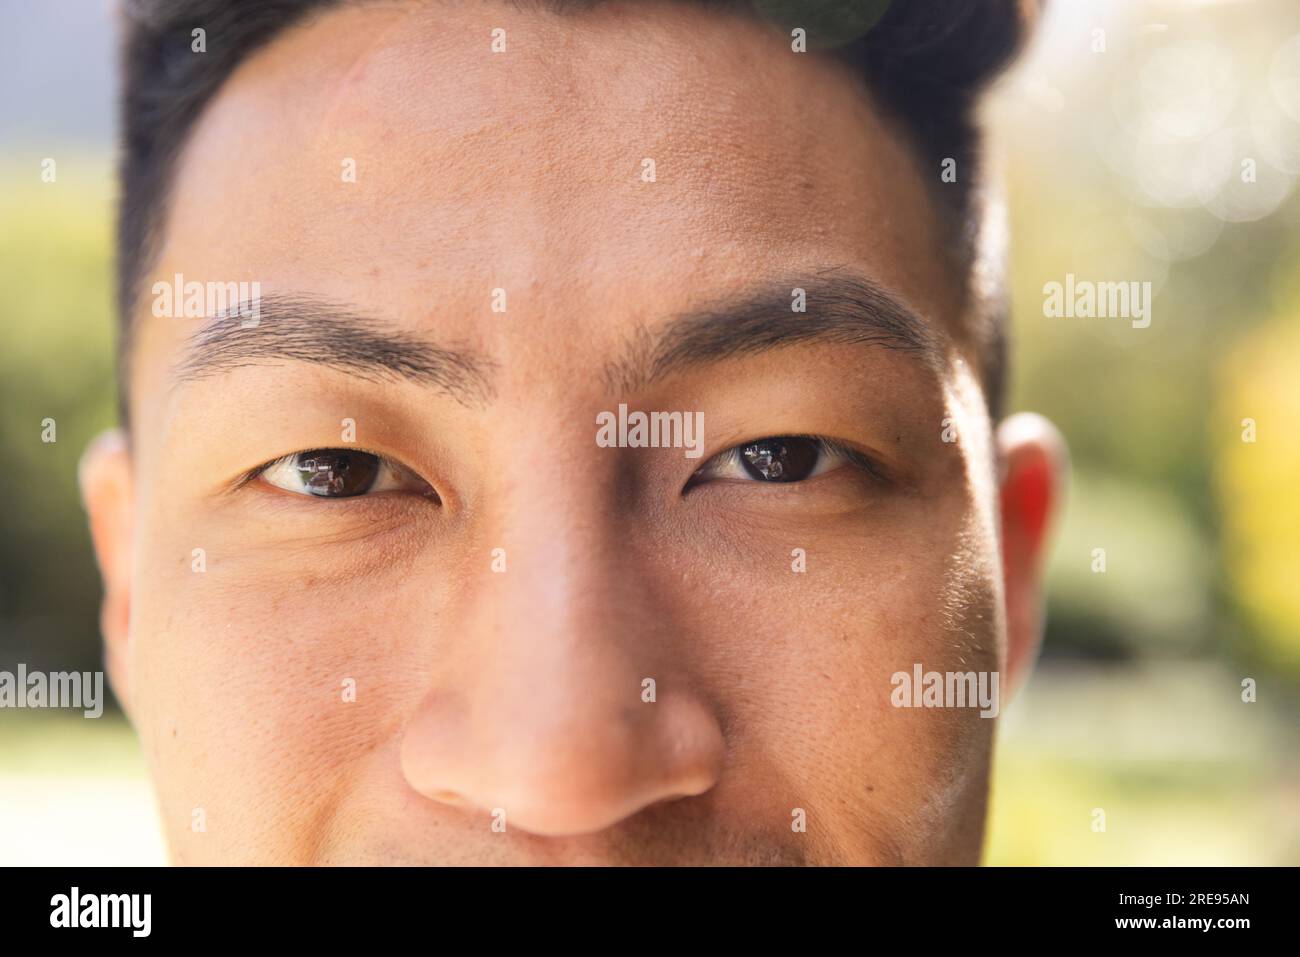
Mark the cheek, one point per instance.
(803, 663)
(930, 765)
(255, 681)
(244, 673)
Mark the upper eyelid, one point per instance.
(326, 448)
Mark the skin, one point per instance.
(521, 690)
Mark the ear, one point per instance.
(107, 494)
(1033, 466)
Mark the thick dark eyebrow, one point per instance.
(308, 329)
(839, 308)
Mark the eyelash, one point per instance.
(384, 465)
(731, 458)
(826, 447)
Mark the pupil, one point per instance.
(337, 474)
(781, 459)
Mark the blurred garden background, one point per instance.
(1139, 140)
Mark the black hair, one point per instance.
(925, 61)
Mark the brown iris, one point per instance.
(782, 458)
(336, 473)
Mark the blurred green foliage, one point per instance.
(1201, 529)
(55, 363)
(1259, 390)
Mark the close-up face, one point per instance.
(392, 573)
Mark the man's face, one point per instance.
(455, 666)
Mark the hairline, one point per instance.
(964, 223)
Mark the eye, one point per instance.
(780, 458)
(340, 473)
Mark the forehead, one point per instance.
(530, 169)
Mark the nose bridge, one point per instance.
(551, 506)
(564, 625)
(538, 708)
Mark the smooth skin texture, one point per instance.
(520, 691)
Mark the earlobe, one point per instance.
(106, 481)
(1033, 467)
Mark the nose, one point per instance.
(557, 702)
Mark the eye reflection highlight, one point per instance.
(781, 459)
(340, 473)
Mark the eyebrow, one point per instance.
(309, 329)
(839, 308)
